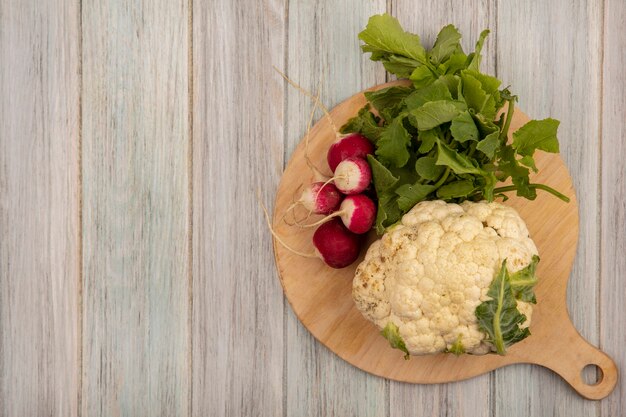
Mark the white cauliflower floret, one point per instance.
(428, 274)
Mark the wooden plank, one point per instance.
(426, 19)
(238, 149)
(39, 208)
(540, 45)
(323, 42)
(613, 242)
(136, 208)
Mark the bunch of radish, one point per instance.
(343, 198)
(349, 212)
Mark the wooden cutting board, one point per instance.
(321, 296)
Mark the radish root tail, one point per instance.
(276, 236)
(291, 209)
(310, 95)
(328, 181)
(320, 221)
(310, 163)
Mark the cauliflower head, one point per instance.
(424, 279)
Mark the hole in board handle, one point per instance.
(592, 374)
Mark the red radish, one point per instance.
(353, 175)
(316, 103)
(321, 198)
(350, 146)
(357, 212)
(336, 245)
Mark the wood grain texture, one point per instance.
(249, 355)
(39, 208)
(238, 149)
(613, 242)
(560, 33)
(323, 44)
(136, 209)
(426, 18)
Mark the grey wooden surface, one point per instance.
(136, 274)
(40, 249)
(135, 329)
